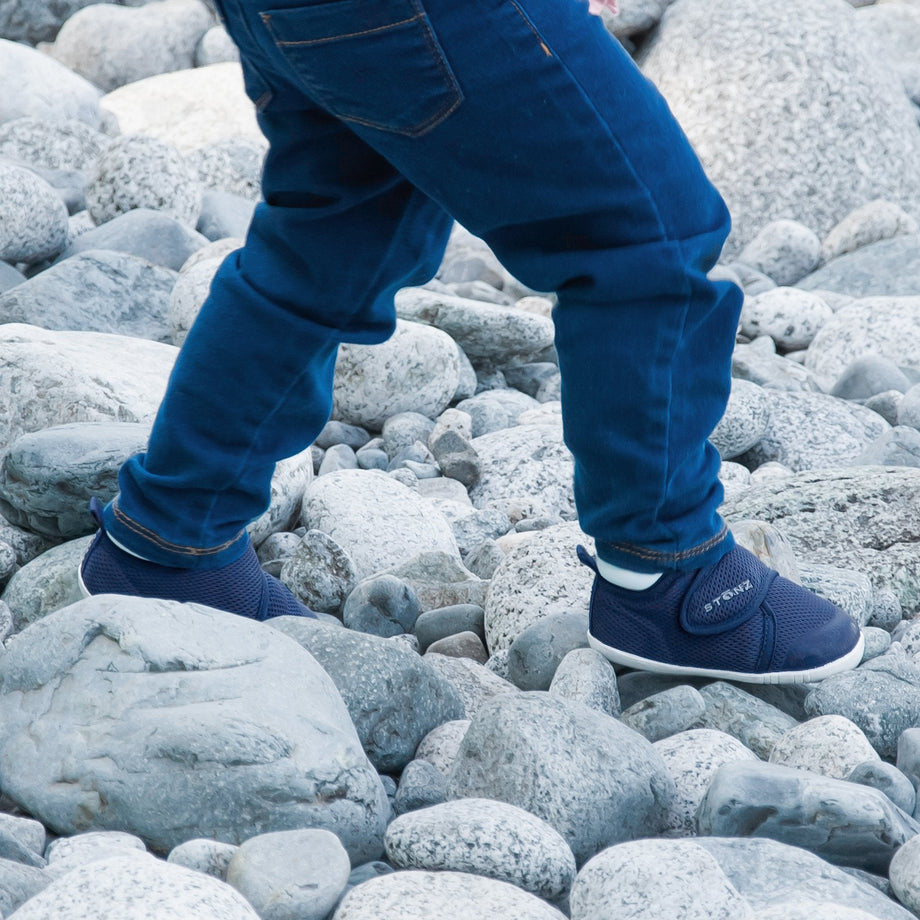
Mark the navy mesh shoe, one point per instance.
(240, 587)
(735, 620)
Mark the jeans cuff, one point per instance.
(647, 559)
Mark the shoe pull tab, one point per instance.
(586, 558)
(95, 509)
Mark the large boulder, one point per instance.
(790, 110)
(174, 721)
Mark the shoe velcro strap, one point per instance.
(724, 596)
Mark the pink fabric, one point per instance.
(595, 6)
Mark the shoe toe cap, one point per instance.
(833, 640)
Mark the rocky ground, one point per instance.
(442, 743)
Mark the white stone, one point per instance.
(208, 856)
(812, 910)
(439, 747)
(895, 30)
(877, 220)
(784, 250)
(791, 317)
(829, 745)
(68, 853)
(904, 874)
(188, 295)
(289, 482)
(744, 421)
(33, 219)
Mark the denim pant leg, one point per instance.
(527, 122)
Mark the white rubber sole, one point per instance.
(845, 663)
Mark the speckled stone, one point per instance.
(790, 317)
(421, 785)
(319, 572)
(868, 376)
(666, 713)
(66, 144)
(142, 172)
(904, 873)
(290, 875)
(872, 222)
(886, 778)
(888, 268)
(233, 164)
(745, 419)
(585, 676)
(656, 878)
(493, 410)
(485, 838)
(33, 220)
(215, 47)
(419, 895)
(67, 853)
(439, 747)
(291, 477)
(849, 590)
(190, 291)
(784, 250)
(475, 684)
(208, 856)
(771, 370)
(537, 651)
(769, 545)
(830, 745)
(136, 888)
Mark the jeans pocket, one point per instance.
(372, 62)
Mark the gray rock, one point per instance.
(291, 875)
(886, 610)
(32, 72)
(67, 853)
(745, 420)
(692, 758)
(95, 291)
(190, 291)
(60, 145)
(461, 645)
(772, 370)
(22, 840)
(538, 650)
(881, 326)
(439, 747)
(208, 856)
(532, 379)
(33, 220)
(656, 878)
(769, 545)
(440, 580)
(908, 755)
(538, 578)
(775, 73)
(886, 405)
(22, 21)
(319, 572)
(904, 873)
(382, 606)
(475, 684)
(433, 625)
(361, 510)
(784, 250)
(150, 235)
(877, 642)
(585, 676)
(849, 590)
(610, 787)
(886, 268)
(421, 785)
(9, 277)
(403, 429)
(811, 430)
(101, 44)
(291, 477)
(842, 822)
(886, 778)
(734, 477)
(767, 873)
(872, 222)
(142, 172)
(224, 214)
(485, 838)
(19, 883)
(419, 895)
(457, 458)
(755, 723)
(494, 410)
(909, 408)
(829, 745)
(484, 558)
(127, 886)
(231, 165)
(790, 317)
(215, 47)
(863, 519)
(339, 433)
(393, 696)
(261, 711)
(868, 376)
(896, 33)
(48, 477)
(416, 369)
(485, 332)
(666, 713)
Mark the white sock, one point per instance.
(125, 549)
(626, 578)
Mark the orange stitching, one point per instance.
(530, 25)
(147, 534)
(652, 555)
(331, 38)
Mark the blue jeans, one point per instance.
(526, 122)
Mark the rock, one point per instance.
(904, 873)
(127, 887)
(68, 853)
(22, 21)
(811, 430)
(421, 785)
(585, 676)
(187, 109)
(895, 28)
(32, 72)
(461, 645)
(440, 580)
(610, 787)
(291, 477)
(735, 478)
(484, 558)
(772, 371)
(842, 822)
(393, 696)
(486, 332)
(151, 235)
(908, 755)
(656, 878)
(361, 510)
(541, 577)
(95, 291)
(745, 420)
(886, 404)
(485, 838)
(224, 214)
(33, 220)
(871, 223)
(538, 650)
(666, 713)
(789, 316)
(290, 875)
(775, 73)
(829, 745)
(886, 268)
(142, 172)
(493, 410)
(755, 723)
(868, 376)
(861, 518)
(909, 408)
(404, 429)
(318, 572)
(381, 606)
(448, 621)
(692, 758)
(457, 458)
(339, 433)
(877, 642)
(417, 895)
(784, 250)
(189, 293)
(769, 545)
(888, 779)
(101, 42)
(215, 47)
(22, 840)
(48, 477)
(260, 711)
(475, 684)
(439, 747)
(208, 856)
(19, 883)
(880, 326)
(768, 873)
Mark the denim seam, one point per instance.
(332, 38)
(181, 549)
(655, 555)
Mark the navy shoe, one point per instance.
(735, 620)
(241, 587)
